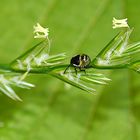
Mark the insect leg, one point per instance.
(66, 69)
(83, 70)
(75, 70)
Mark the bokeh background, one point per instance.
(49, 111)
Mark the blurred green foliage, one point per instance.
(49, 111)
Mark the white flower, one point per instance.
(119, 23)
(40, 32)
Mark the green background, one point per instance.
(50, 111)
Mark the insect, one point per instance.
(79, 61)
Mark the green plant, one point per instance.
(117, 54)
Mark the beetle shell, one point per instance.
(80, 61)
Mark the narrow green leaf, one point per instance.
(114, 50)
(132, 49)
(37, 57)
(8, 81)
(135, 66)
(85, 81)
